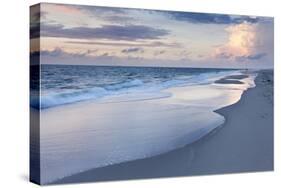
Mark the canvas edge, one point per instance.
(34, 114)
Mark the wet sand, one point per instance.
(244, 143)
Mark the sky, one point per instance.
(90, 35)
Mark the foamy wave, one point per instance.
(136, 86)
(70, 97)
(125, 85)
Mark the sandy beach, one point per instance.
(119, 95)
(243, 143)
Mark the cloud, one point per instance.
(35, 15)
(251, 57)
(242, 41)
(223, 55)
(132, 50)
(34, 31)
(58, 52)
(248, 42)
(105, 54)
(108, 29)
(110, 14)
(66, 9)
(256, 56)
(142, 44)
(117, 19)
(159, 52)
(112, 32)
(100, 9)
(208, 18)
(55, 53)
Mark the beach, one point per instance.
(242, 143)
(120, 95)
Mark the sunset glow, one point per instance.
(137, 37)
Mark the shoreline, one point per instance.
(227, 149)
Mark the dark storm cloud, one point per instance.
(112, 32)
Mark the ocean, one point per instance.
(95, 116)
(66, 84)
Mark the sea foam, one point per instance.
(67, 88)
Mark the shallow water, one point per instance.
(136, 124)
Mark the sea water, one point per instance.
(95, 116)
(66, 84)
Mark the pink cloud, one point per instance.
(242, 41)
